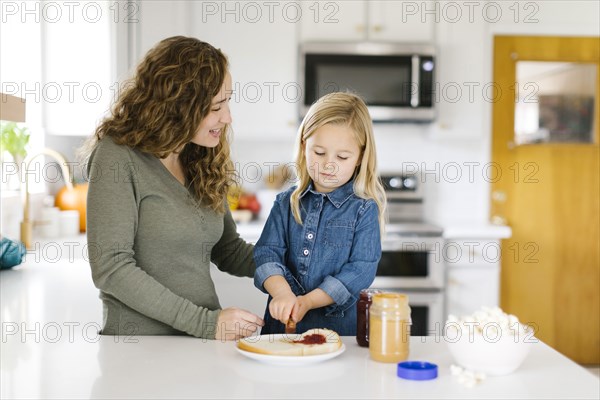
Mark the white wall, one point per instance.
(457, 143)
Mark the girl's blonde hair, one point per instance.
(349, 110)
(162, 106)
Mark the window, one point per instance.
(21, 63)
(61, 57)
(77, 71)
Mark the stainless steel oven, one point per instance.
(427, 310)
(411, 260)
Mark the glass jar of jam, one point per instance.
(362, 316)
(389, 327)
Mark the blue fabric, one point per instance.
(337, 249)
(11, 253)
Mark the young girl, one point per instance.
(322, 241)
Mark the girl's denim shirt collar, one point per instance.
(338, 196)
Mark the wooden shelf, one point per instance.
(12, 108)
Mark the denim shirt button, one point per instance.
(305, 252)
(310, 236)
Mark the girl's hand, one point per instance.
(281, 306)
(314, 299)
(234, 323)
(283, 299)
(302, 306)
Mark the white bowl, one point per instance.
(490, 351)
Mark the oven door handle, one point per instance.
(416, 244)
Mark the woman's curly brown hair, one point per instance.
(161, 107)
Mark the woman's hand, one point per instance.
(235, 323)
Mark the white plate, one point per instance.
(291, 360)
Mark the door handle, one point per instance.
(498, 220)
(499, 196)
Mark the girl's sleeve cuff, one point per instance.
(266, 270)
(341, 296)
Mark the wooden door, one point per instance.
(548, 193)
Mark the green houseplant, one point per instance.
(13, 140)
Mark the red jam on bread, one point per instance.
(311, 342)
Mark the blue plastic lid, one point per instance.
(417, 370)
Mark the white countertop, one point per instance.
(251, 231)
(476, 231)
(50, 314)
(185, 367)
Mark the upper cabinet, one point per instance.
(400, 21)
(395, 21)
(157, 20)
(259, 39)
(333, 20)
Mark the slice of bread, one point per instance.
(312, 342)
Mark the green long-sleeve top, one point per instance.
(150, 245)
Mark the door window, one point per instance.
(554, 102)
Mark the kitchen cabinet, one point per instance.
(261, 46)
(238, 292)
(396, 21)
(473, 274)
(157, 20)
(234, 291)
(259, 40)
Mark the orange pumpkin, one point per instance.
(74, 199)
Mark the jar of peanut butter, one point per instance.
(389, 327)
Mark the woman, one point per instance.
(159, 170)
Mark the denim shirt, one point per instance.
(336, 249)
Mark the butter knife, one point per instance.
(290, 327)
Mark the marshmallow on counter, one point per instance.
(466, 377)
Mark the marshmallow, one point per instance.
(467, 377)
(491, 320)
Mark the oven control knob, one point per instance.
(396, 183)
(410, 183)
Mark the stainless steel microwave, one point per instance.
(396, 80)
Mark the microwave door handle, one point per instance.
(416, 79)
